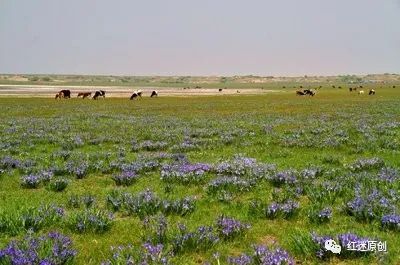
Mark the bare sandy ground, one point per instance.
(50, 91)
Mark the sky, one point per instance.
(206, 37)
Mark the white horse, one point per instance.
(361, 92)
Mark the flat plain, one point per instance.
(197, 179)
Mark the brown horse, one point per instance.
(84, 94)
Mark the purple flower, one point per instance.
(286, 209)
(185, 172)
(30, 181)
(229, 227)
(125, 178)
(391, 221)
(53, 248)
(264, 256)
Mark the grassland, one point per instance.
(331, 133)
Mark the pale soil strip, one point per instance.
(50, 91)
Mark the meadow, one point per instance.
(238, 179)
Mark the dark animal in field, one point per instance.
(299, 93)
(136, 94)
(237, 91)
(354, 88)
(333, 86)
(350, 89)
(198, 87)
(301, 86)
(309, 92)
(371, 92)
(99, 93)
(360, 86)
(154, 93)
(340, 87)
(394, 86)
(84, 94)
(220, 90)
(63, 94)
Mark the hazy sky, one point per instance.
(203, 37)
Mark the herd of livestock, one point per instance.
(312, 92)
(65, 93)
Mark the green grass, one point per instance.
(121, 120)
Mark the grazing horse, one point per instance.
(394, 86)
(371, 92)
(63, 94)
(154, 93)
(350, 89)
(84, 94)
(99, 93)
(220, 90)
(361, 92)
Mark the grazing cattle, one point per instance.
(309, 92)
(361, 92)
(220, 90)
(84, 94)
(63, 94)
(136, 94)
(333, 86)
(394, 86)
(154, 93)
(198, 87)
(99, 93)
(371, 92)
(339, 87)
(360, 86)
(350, 89)
(237, 91)
(284, 87)
(354, 88)
(300, 93)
